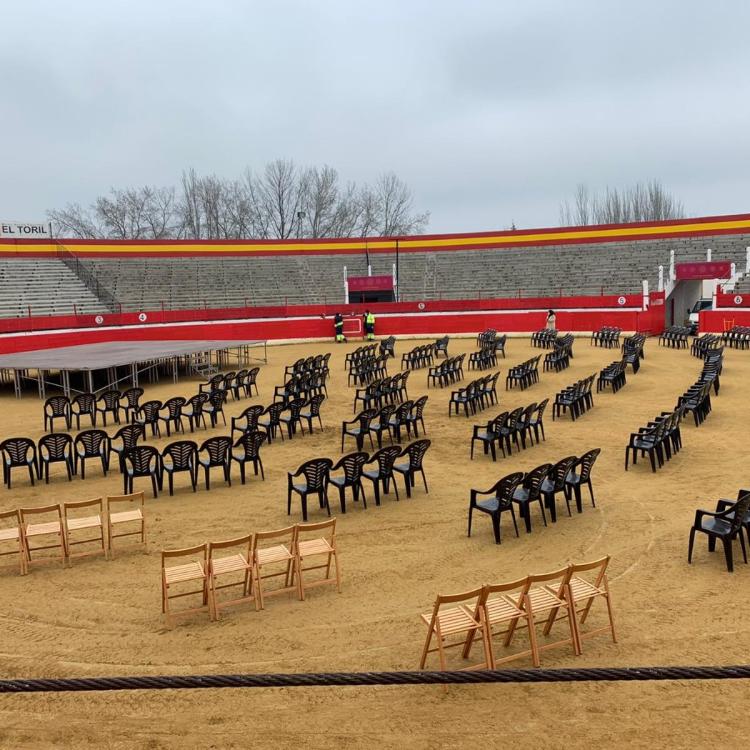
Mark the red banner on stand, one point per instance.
(715, 269)
(370, 283)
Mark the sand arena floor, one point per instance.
(103, 617)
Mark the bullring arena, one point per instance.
(97, 617)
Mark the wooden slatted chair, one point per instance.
(11, 538)
(502, 604)
(542, 600)
(276, 550)
(192, 569)
(86, 517)
(49, 526)
(583, 591)
(125, 518)
(323, 544)
(231, 558)
(444, 623)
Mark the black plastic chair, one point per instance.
(351, 465)
(55, 448)
(237, 384)
(499, 500)
(726, 525)
(91, 444)
(555, 483)
(56, 407)
(415, 453)
(315, 473)
(142, 461)
(509, 431)
(382, 425)
(247, 421)
(247, 449)
(180, 456)
(580, 474)
(536, 422)
(399, 419)
(647, 441)
(358, 428)
(216, 452)
(249, 382)
(192, 410)
(18, 452)
(489, 436)
(148, 414)
(109, 403)
(131, 398)
(530, 492)
(215, 406)
(312, 411)
(84, 405)
(128, 437)
(383, 474)
(290, 416)
(416, 417)
(173, 407)
(270, 420)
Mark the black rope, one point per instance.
(351, 679)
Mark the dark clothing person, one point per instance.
(338, 325)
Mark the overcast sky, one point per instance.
(492, 112)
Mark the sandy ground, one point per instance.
(103, 618)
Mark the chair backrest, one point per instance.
(94, 442)
(419, 405)
(586, 463)
(196, 402)
(142, 458)
(110, 399)
(316, 472)
(315, 403)
(217, 398)
(514, 416)
(57, 445)
(286, 536)
(85, 403)
(16, 450)
(174, 406)
(471, 598)
(385, 459)
(31, 514)
(597, 567)
(149, 411)
(321, 530)
(561, 576)
(533, 480)
(182, 453)
(273, 411)
(365, 417)
(135, 500)
(740, 509)
(352, 465)
(130, 435)
(57, 406)
(132, 396)
(218, 448)
(77, 508)
(520, 586)
(199, 553)
(251, 416)
(245, 543)
(416, 451)
(540, 409)
(250, 442)
(561, 470)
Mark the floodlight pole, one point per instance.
(398, 293)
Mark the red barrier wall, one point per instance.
(732, 300)
(307, 325)
(717, 321)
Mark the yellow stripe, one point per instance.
(410, 243)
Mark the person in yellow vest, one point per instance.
(369, 321)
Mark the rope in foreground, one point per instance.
(352, 679)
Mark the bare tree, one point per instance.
(640, 202)
(282, 202)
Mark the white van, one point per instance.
(701, 304)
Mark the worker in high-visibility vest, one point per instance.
(338, 325)
(369, 320)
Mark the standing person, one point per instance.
(551, 320)
(369, 320)
(338, 325)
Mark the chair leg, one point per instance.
(727, 542)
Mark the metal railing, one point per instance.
(89, 279)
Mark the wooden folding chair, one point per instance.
(11, 534)
(125, 512)
(324, 545)
(583, 591)
(52, 527)
(194, 568)
(78, 517)
(239, 562)
(461, 620)
(276, 550)
(544, 600)
(502, 608)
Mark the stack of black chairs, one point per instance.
(508, 428)
(577, 399)
(737, 337)
(441, 346)
(420, 356)
(675, 337)
(660, 439)
(632, 350)
(485, 358)
(612, 375)
(475, 396)
(706, 343)
(367, 369)
(544, 339)
(559, 358)
(448, 371)
(607, 337)
(523, 375)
